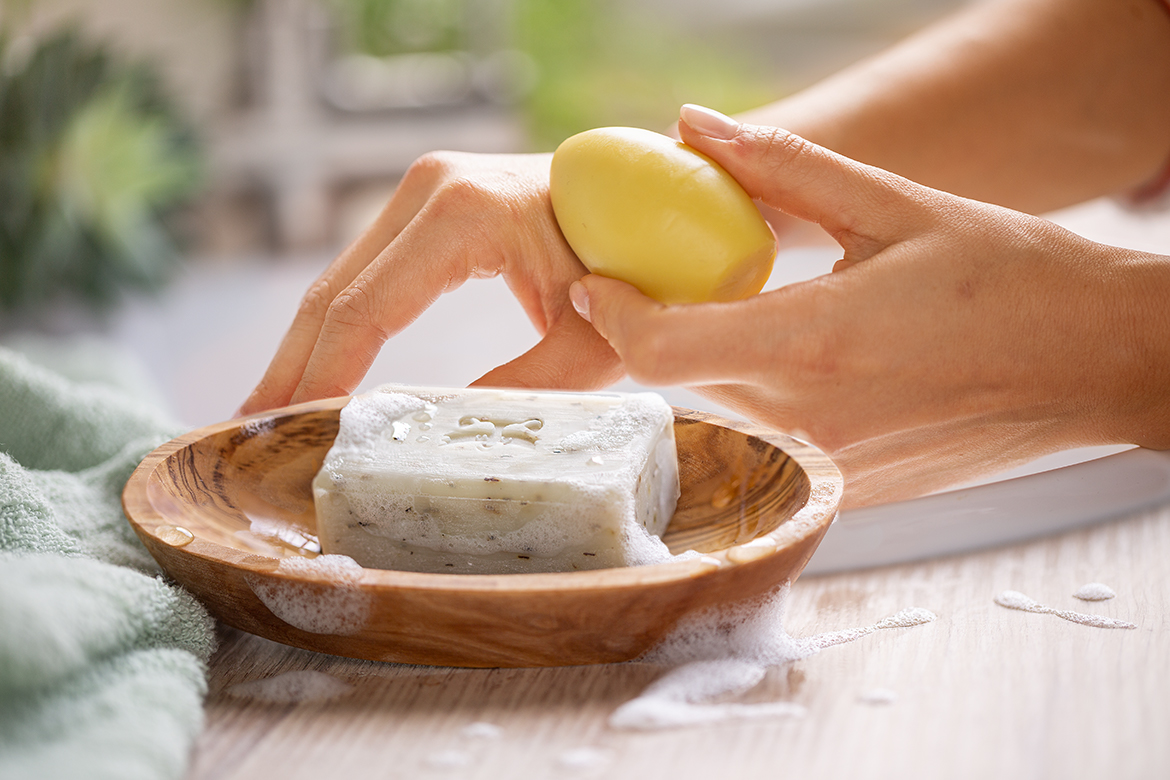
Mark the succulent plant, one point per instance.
(93, 161)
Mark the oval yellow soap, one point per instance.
(651, 211)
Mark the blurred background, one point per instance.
(174, 173)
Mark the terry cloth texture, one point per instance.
(102, 661)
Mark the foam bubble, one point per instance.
(449, 759)
(481, 730)
(297, 687)
(1094, 591)
(877, 696)
(907, 618)
(642, 414)
(585, 759)
(725, 652)
(365, 417)
(1013, 599)
(330, 604)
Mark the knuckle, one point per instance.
(353, 308)
(463, 192)
(781, 149)
(783, 146)
(316, 301)
(428, 165)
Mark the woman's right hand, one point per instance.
(953, 339)
(455, 216)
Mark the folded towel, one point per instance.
(102, 661)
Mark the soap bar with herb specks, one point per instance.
(498, 481)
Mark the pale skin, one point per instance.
(954, 337)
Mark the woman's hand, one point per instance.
(454, 217)
(954, 338)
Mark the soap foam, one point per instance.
(1013, 599)
(585, 759)
(877, 696)
(726, 651)
(306, 685)
(481, 730)
(366, 418)
(914, 616)
(1094, 591)
(449, 759)
(332, 605)
(642, 414)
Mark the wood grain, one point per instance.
(757, 502)
(981, 692)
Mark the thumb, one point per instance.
(685, 344)
(857, 204)
(571, 356)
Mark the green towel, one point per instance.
(102, 661)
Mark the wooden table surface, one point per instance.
(981, 692)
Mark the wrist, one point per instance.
(1142, 400)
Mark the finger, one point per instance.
(571, 356)
(862, 207)
(386, 296)
(688, 344)
(288, 365)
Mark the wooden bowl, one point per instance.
(220, 507)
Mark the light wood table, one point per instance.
(982, 692)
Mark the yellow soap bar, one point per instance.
(643, 208)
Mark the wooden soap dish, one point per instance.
(220, 507)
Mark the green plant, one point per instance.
(93, 159)
(386, 27)
(601, 63)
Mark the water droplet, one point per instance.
(174, 535)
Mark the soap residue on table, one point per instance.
(585, 759)
(724, 652)
(1094, 591)
(1013, 599)
(449, 759)
(481, 730)
(335, 606)
(877, 696)
(305, 685)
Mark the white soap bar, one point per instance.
(498, 481)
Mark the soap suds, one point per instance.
(585, 759)
(306, 685)
(449, 759)
(1094, 591)
(877, 696)
(481, 730)
(725, 652)
(331, 605)
(914, 616)
(1013, 599)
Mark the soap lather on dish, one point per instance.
(491, 481)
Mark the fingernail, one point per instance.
(580, 298)
(708, 122)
